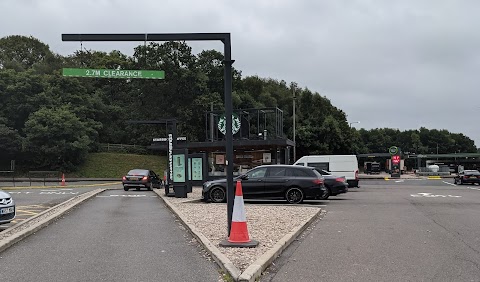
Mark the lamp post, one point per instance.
(294, 144)
(353, 123)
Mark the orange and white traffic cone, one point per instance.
(238, 231)
(63, 180)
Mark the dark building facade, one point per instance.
(258, 139)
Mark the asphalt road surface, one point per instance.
(116, 236)
(397, 230)
(30, 202)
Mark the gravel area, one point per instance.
(267, 223)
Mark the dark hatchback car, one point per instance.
(335, 184)
(141, 178)
(467, 176)
(289, 182)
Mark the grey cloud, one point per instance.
(399, 64)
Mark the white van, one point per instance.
(340, 165)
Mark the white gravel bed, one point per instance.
(266, 223)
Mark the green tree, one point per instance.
(23, 53)
(56, 139)
(10, 142)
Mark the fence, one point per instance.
(45, 175)
(8, 174)
(442, 170)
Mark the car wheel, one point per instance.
(325, 194)
(294, 195)
(138, 188)
(217, 195)
(125, 188)
(461, 181)
(455, 181)
(150, 188)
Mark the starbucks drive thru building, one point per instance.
(258, 139)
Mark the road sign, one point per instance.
(393, 150)
(396, 159)
(105, 73)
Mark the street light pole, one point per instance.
(353, 123)
(294, 144)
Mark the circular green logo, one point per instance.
(393, 150)
(222, 124)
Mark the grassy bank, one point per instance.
(116, 165)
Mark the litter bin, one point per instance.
(180, 191)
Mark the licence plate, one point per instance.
(7, 210)
(133, 178)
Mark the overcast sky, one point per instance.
(397, 64)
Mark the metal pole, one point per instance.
(211, 122)
(229, 136)
(294, 133)
(225, 38)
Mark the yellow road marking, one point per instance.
(434, 177)
(386, 178)
(27, 212)
(32, 206)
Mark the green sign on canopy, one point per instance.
(104, 73)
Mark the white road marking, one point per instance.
(397, 181)
(128, 196)
(57, 193)
(45, 192)
(449, 183)
(430, 195)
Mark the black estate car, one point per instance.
(141, 178)
(467, 176)
(290, 182)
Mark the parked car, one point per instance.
(289, 182)
(7, 208)
(335, 184)
(467, 176)
(141, 178)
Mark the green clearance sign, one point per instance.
(104, 73)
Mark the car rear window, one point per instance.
(296, 172)
(138, 172)
(318, 174)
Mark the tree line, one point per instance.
(48, 121)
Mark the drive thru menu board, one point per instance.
(196, 171)
(178, 168)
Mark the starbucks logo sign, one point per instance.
(393, 150)
(222, 124)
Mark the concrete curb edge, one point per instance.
(63, 208)
(218, 256)
(255, 269)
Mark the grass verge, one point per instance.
(115, 165)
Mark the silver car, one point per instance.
(7, 207)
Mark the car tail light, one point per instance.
(145, 178)
(340, 179)
(356, 174)
(124, 178)
(318, 181)
(465, 176)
